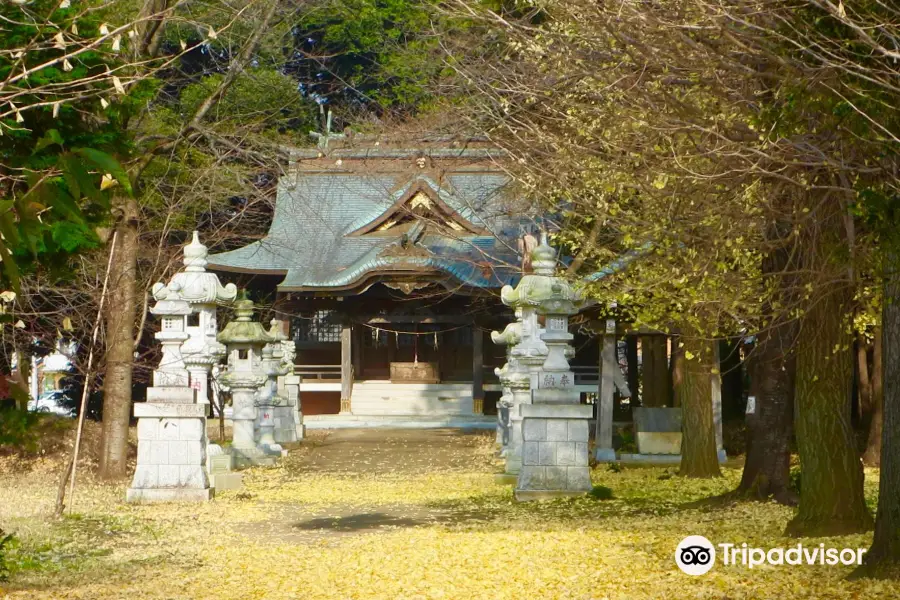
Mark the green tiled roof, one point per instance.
(308, 240)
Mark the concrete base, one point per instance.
(530, 495)
(604, 455)
(147, 496)
(506, 478)
(252, 457)
(227, 481)
(659, 459)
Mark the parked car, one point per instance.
(54, 402)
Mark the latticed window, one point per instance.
(320, 326)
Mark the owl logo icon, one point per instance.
(695, 555)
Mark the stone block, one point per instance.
(578, 479)
(163, 410)
(178, 453)
(143, 452)
(191, 429)
(162, 379)
(578, 430)
(547, 453)
(169, 476)
(555, 478)
(145, 476)
(220, 463)
(196, 452)
(581, 454)
(147, 496)
(657, 419)
(192, 476)
(159, 453)
(227, 481)
(532, 478)
(531, 453)
(563, 411)
(169, 429)
(534, 430)
(174, 395)
(557, 430)
(565, 454)
(658, 442)
(148, 429)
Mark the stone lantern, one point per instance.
(268, 400)
(509, 337)
(171, 458)
(245, 339)
(288, 418)
(526, 357)
(202, 291)
(555, 424)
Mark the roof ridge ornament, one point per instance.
(195, 255)
(195, 284)
(543, 258)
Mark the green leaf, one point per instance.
(108, 164)
(50, 138)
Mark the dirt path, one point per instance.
(352, 454)
(396, 451)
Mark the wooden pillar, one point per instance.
(655, 373)
(356, 350)
(603, 450)
(631, 357)
(477, 370)
(346, 367)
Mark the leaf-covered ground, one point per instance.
(399, 515)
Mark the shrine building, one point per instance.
(387, 263)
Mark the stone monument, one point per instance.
(555, 425)
(202, 291)
(245, 339)
(171, 458)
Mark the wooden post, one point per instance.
(477, 370)
(603, 449)
(346, 367)
(631, 356)
(716, 386)
(356, 350)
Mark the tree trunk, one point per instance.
(677, 371)
(862, 371)
(655, 374)
(872, 455)
(831, 486)
(120, 319)
(885, 550)
(770, 422)
(698, 446)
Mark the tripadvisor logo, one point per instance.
(695, 555)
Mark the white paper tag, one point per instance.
(751, 405)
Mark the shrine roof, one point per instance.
(344, 220)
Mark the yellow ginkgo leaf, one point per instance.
(107, 181)
(7, 296)
(104, 29)
(67, 66)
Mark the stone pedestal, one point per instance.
(171, 461)
(219, 466)
(288, 418)
(554, 451)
